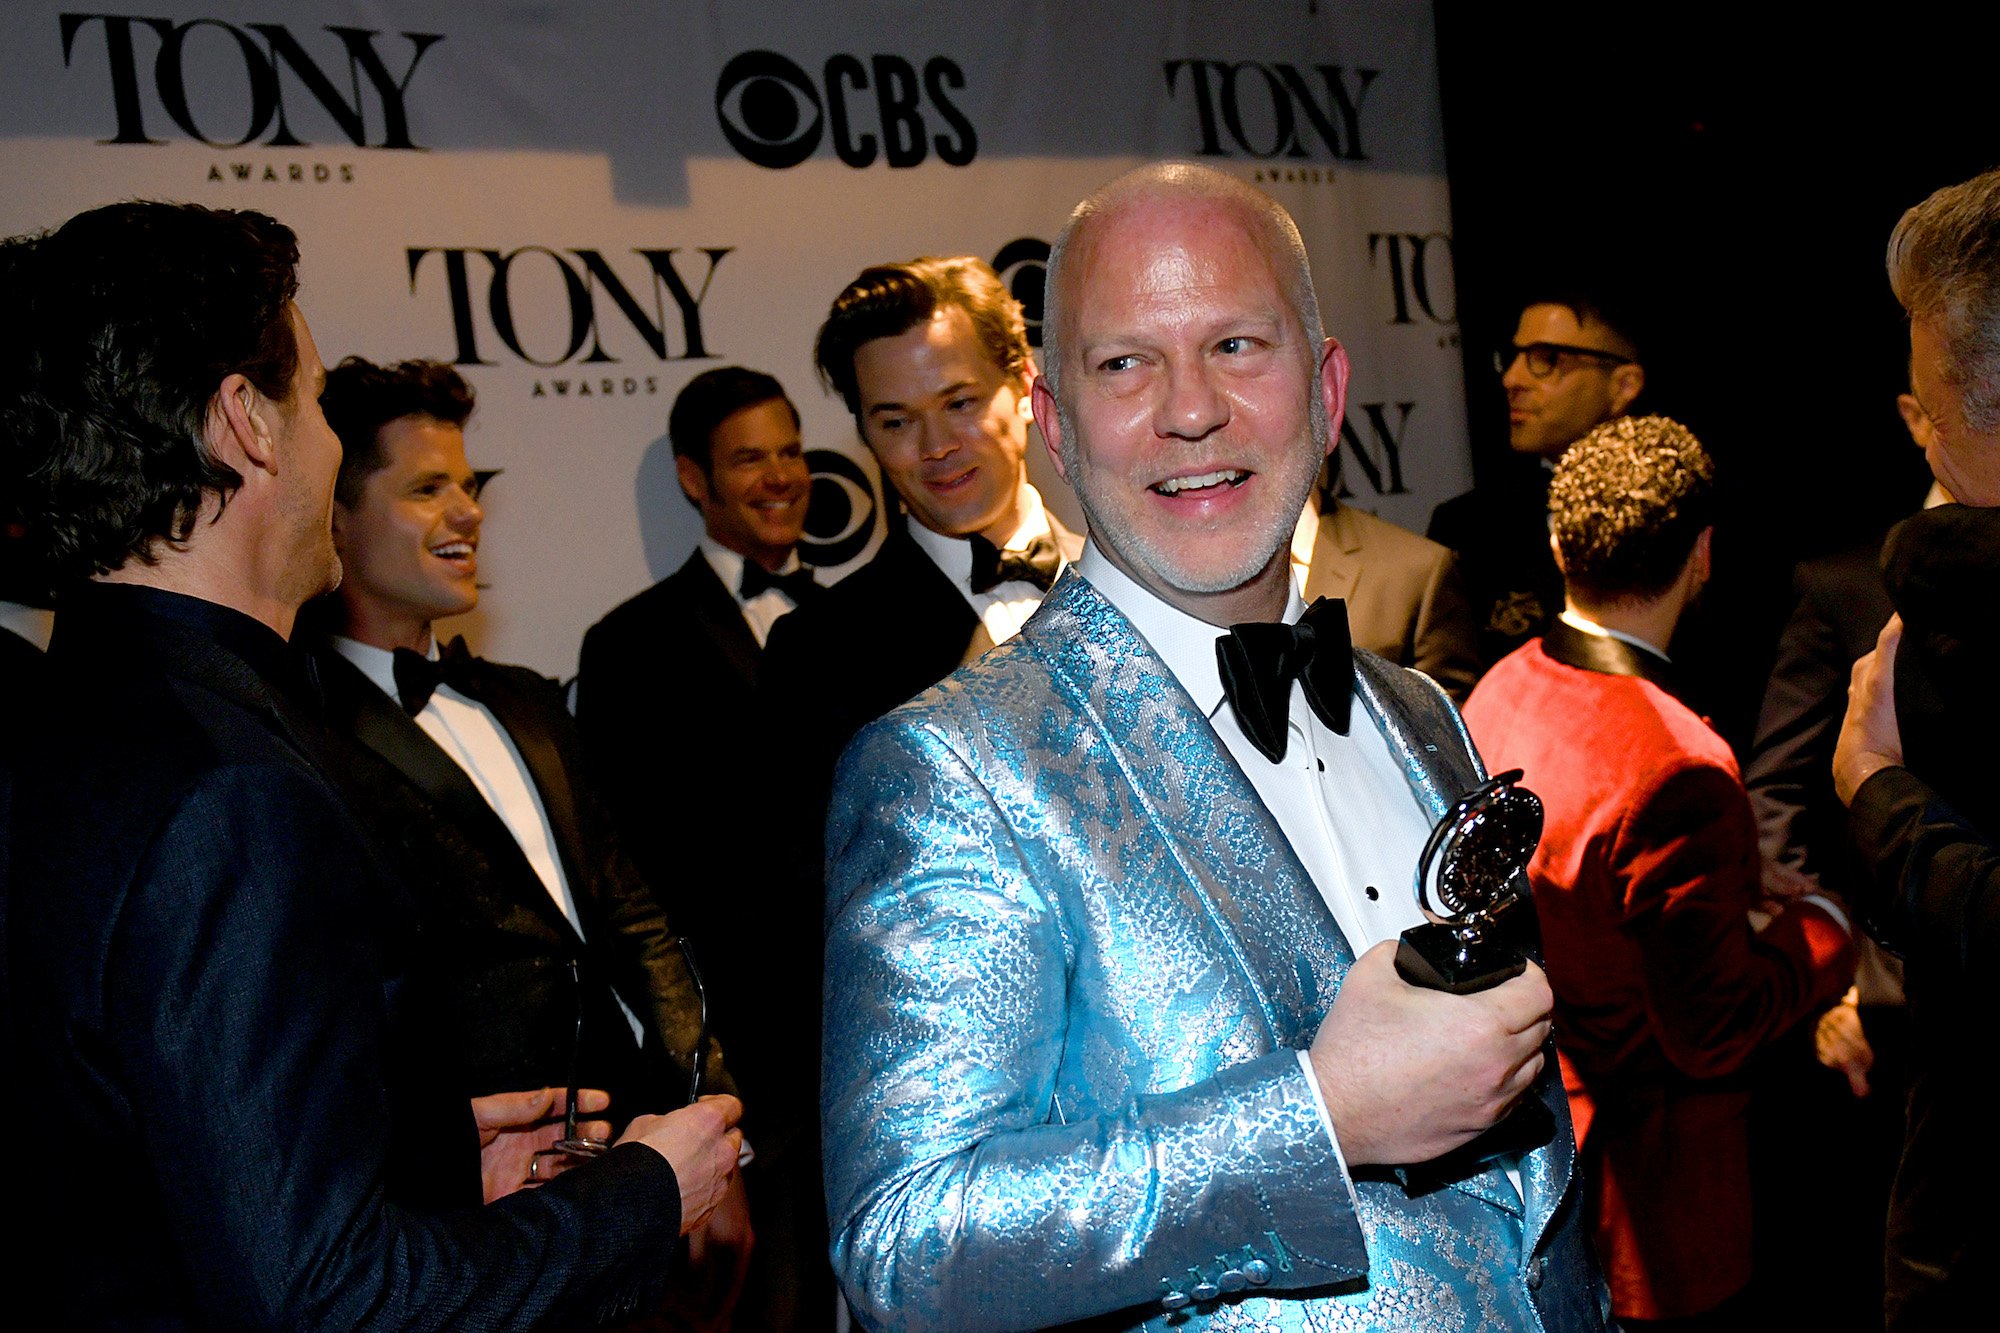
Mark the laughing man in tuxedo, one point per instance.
(540, 940)
(932, 358)
(1114, 1031)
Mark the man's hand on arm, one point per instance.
(703, 1144)
(1410, 1074)
(1870, 740)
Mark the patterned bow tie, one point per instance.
(757, 580)
(417, 676)
(1259, 662)
(1038, 564)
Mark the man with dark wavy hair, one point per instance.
(932, 358)
(206, 968)
(1645, 875)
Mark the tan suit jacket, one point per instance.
(1405, 598)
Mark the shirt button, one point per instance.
(1205, 1290)
(1536, 1267)
(1258, 1272)
(1232, 1280)
(1173, 1300)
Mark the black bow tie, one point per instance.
(1260, 661)
(417, 676)
(1038, 564)
(757, 580)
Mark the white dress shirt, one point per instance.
(467, 732)
(1342, 802)
(1006, 606)
(767, 607)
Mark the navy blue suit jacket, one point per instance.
(209, 982)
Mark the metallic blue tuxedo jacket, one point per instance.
(1071, 959)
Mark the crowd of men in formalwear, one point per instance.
(378, 984)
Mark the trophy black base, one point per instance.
(1450, 958)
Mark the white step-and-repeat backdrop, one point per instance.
(583, 205)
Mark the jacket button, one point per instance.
(1536, 1267)
(1257, 1272)
(1205, 1290)
(1174, 1300)
(1232, 1280)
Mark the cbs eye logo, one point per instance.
(774, 114)
(841, 515)
(1024, 266)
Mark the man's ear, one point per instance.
(1043, 404)
(1556, 550)
(1915, 420)
(1702, 556)
(1333, 372)
(694, 481)
(242, 426)
(1627, 381)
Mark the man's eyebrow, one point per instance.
(956, 386)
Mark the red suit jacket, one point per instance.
(1646, 870)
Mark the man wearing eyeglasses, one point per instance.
(1570, 367)
(551, 959)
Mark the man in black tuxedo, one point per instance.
(932, 358)
(686, 749)
(210, 985)
(549, 955)
(1914, 763)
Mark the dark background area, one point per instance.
(1739, 174)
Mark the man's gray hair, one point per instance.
(1944, 265)
(1191, 181)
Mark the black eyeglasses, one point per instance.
(1545, 358)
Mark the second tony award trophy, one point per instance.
(1472, 881)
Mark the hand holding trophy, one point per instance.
(1472, 880)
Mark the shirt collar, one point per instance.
(32, 623)
(728, 564)
(378, 664)
(1577, 622)
(953, 555)
(1185, 643)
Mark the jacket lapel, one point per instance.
(720, 618)
(535, 743)
(1244, 874)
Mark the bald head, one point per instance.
(1172, 184)
(1188, 393)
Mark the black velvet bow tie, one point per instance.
(1259, 662)
(1038, 564)
(417, 676)
(757, 580)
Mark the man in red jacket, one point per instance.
(1646, 872)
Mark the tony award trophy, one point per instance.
(1472, 881)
